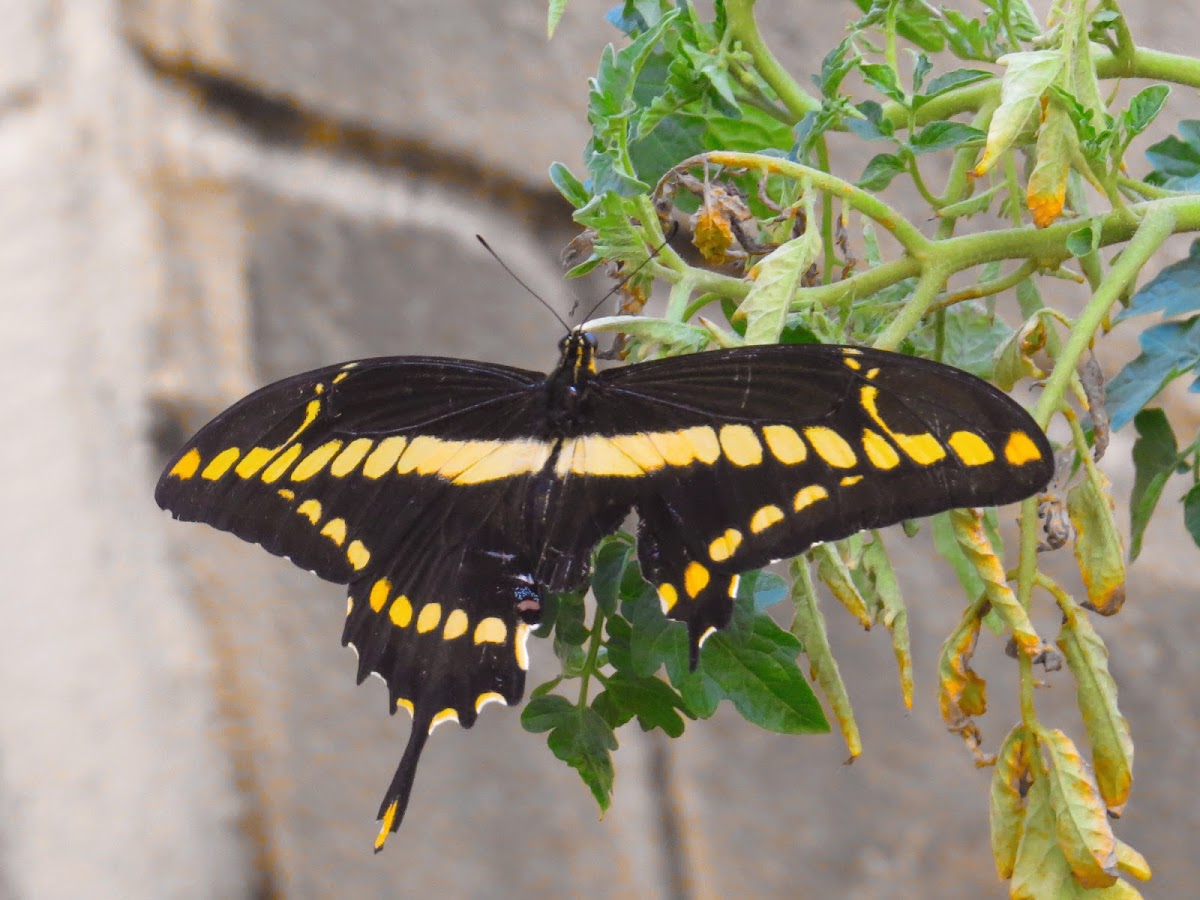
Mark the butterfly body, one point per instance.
(454, 496)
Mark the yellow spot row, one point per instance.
(488, 630)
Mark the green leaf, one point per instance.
(547, 712)
(880, 171)
(1028, 75)
(1155, 456)
(950, 80)
(619, 643)
(942, 136)
(884, 79)
(650, 699)
(557, 8)
(1177, 162)
(674, 138)
(971, 338)
(751, 663)
(1175, 291)
(1169, 350)
(612, 557)
(584, 741)
(872, 126)
(1085, 240)
(834, 68)
(568, 185)
(1191, 513)
(755, 667)
(674, 337)
(921, 69)
(1144, 108)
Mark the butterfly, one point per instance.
(453, 496)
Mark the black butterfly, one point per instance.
(452, 496)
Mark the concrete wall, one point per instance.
(197, 196)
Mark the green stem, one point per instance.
(1157, 225)
(740, 19)
(589, 666)
(988, 288)
(933, 279)
(827, 238)
(1026, 573)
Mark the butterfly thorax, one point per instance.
(567, 386)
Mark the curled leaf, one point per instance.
(977, 547)
(1107, 730)
(1013, 359)
(1131, 862)
(1010, 781)
(961, 692)
(1027, 77)
(809, 626)
(712, 234)
(892, 611)
(776, 279)
(1085, 836)
(1098, 548)
(832, 570)
(1047, 189)
(1041, 870)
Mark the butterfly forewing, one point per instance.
(792, 446)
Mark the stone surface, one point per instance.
(466, 83)
(115, 782)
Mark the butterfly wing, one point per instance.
(778, 448)
(407, 479)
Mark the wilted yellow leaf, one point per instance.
(892, 612)
(1097, 542)
(809, 625)
(975, 544)
(1118, 890)
(832, 570)
(1131, 862)
(1084, 833)
(776, 279)
(1047, 189)
(961, 692)
(712, 234)
(1107, 730)
(1007, 808)
(1026, 78)
(1041, 870)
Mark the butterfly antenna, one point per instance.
(516, 278)
(645, 262)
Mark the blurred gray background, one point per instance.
(198, 196)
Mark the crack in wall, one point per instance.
(278, 120)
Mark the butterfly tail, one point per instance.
(395, 801)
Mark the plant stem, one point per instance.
(589, 666)
(740, 19)
(933, 279)
(1158, 224)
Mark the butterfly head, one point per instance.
(578, 355)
